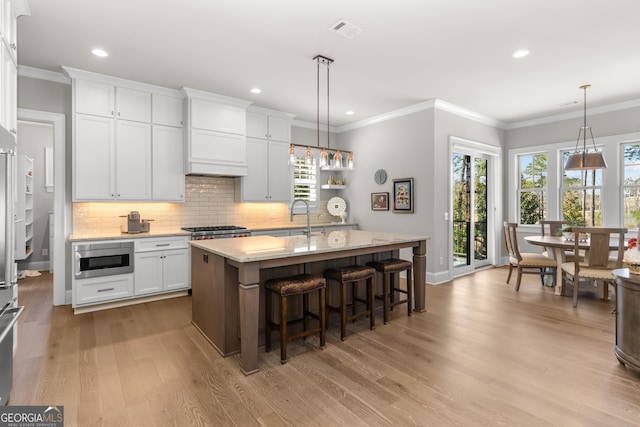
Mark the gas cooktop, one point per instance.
(217, 232)
(213, 228)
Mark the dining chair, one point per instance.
(597, 263)
(525, 262)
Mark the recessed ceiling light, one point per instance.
(350, 113)
(256, 90)
(99, 52)
(521, 53)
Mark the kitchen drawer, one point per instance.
(101, 289)
(161, 244)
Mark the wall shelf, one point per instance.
(333, 187)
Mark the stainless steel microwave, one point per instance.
(103, 259)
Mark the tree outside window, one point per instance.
(631, 185)
(532, 172)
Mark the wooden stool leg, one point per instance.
(305, 310)
(392, 287)
(354, 286)
(409, 291)
(343, 310)
(323, 317)
(267, 324)
(385, 297)
(371, 298)
(283, 330)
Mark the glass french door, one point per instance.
(470, 211)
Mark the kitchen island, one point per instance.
(227, 278)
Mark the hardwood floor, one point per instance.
(482, 354)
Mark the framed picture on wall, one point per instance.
(403, 195)
(379, 201)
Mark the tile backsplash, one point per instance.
(209, 201)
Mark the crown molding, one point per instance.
(575, 114)
(468, 114)
(40, 74)
(426, 105)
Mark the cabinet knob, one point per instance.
(14, 131)
(112, 113)
(118, 113)
(13, 46)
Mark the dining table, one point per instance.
(559, 245)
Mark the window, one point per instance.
(305, 180)
(581, 195)
(631, 185)
(532, 187)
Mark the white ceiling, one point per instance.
(409, 51)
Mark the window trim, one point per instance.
(544, 190)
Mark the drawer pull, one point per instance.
(163, 244)
(106, 290)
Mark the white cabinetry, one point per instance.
(269, 177)
(161, 265)
(115, 152)
(10, 10)
(95, 290)
(167, 156)
(167, 110)
(24, 208)
(216, 143)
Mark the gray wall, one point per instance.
(47, 96)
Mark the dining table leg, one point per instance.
(558, 254)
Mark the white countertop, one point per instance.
(258, 248)
(111, 236)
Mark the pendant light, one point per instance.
(585, 160)
(336, 162)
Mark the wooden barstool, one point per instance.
(301, 284)
(390, 268)
(352, 275)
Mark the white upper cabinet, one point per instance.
(107, 100)
(269, 126)
(94, 177)
(132, 104)
(216, 142)
(118, 153)
(97, 99)
(133, 160)
(10, 10)
(269, 176)
(167, 110)
(168, 165)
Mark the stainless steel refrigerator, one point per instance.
(9, 311)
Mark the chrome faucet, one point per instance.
(308, 215)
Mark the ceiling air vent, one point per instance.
(345, 29)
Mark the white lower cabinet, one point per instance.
(161, 265)
(103, 289)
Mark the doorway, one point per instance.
(473, 186)
(61, 219)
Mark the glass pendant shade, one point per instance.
(350, 164)
(323, 158)
(308, 156)
(292, 155)
(337, 160)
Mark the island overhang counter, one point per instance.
(227, 278)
